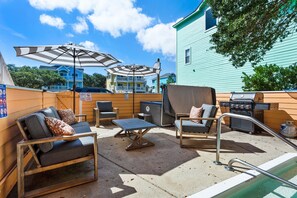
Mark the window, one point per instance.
(187, 56)
(210, 21)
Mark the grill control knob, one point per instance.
(247, 106)
(241, 106)
(236, 106)
(232, 106)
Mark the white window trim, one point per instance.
(190, 59)
(214, 27)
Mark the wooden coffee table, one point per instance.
(135, 129)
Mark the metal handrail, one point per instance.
(255, 121)
(230, 168)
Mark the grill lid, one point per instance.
(246, 96)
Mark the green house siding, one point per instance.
(208, 68)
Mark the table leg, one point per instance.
(139, 141)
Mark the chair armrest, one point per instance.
(56, 138)
(177, 115)
(198, 118)
(82, 115)
(182, 119)
(115, 109)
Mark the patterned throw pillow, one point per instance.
(58, 127)
(67, 116)
(196, 113)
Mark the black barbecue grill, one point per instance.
(248, 104)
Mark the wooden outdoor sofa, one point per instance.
(51, 152)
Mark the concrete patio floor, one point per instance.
(164, 170)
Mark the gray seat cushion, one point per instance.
(104, 106)
(108, 115)
(81, 127)
(51, 112)
(193, 127)
(67, 150)
(38, 129)
(209, 111)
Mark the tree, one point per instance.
(247, 29)
(170, 79)
(95, 80)
(270, 78)
(33, 77)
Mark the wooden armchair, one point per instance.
(186, 128)
(51, 152)
(104, 111)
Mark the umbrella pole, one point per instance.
(74, 85)
(133, 91)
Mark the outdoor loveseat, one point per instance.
(50, 152)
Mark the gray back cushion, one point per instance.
(51, 112)
(104, 106)
(37, 128)
(209, 111)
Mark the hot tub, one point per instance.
(155, 108)
(254, 184)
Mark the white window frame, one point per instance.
(190, 56)
(215, 26)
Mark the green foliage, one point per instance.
(270, 78)
(33, 77)
(249, 28)
(170, 79)
(95, 80)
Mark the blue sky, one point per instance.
(134, 31)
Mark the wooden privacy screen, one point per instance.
(19, 102)
(125, 106)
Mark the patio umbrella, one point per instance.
(68, 55)
(133, 70)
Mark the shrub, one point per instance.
(270, 78)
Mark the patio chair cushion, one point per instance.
(193, 127)
(67, 116)
(196, 113)
(38, 129)
(81, 127)
(58, 127)
(50, 112)
(209, 111)
(108, 114)
(104, 106)
(67, 150)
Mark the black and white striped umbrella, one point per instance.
(69, 55)
(133, 70)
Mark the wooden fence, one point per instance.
(119, 100)
(20, 102)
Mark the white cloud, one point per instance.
(113, 16)
(68, 5)
(52, 21)
(70, 35)
(81, 26)
(90, 45)
(118, 17)
(160, 38)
